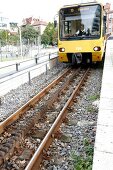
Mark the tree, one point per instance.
(49, 35)
(7, 38)
(29, 34)
(3, 37)
(55, 37)
(13, 39)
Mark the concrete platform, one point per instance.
(103, 150)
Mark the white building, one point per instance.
(4, 22)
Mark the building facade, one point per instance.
(110, 26)
(4, 23)
(109, 23)
(12, 27)
(38, 24)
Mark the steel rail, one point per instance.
(7, 148)
(30, 103)
(35, 161)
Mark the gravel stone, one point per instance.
(15, 98)
(82, 117)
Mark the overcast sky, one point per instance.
(16, 10)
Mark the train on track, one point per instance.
(82, 33)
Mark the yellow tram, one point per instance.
(82, 29)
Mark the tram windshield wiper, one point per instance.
(87, 37)
(71, 37)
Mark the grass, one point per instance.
(94, 97)
(83, 161)
(91, 109)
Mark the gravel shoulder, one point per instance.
(74, 149)
(15, 98)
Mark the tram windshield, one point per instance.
(80, 22)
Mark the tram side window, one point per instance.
(104, 25)
(67, 27)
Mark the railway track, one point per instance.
(39, 119)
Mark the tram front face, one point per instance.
(71, 21)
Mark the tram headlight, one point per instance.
(61, 49)
(97, 48)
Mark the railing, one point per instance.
(23, 65)
(21, 75)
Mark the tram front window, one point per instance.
(80, 22)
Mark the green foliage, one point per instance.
(3, 37)
(6, 38)
(29, 33)
(83, 161)
(49, 36)
(92, 109)
(13, 39)
(94, 97)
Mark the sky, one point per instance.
(16, 10)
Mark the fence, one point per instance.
(24, 71)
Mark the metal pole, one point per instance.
(36, 60)
(49, 56)
(0, 101)
(0, 50)
(20, 35)
(6, 43)
(39, 38)
(29, 77)
(38, 46)
(16, 66)
(46, 69)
